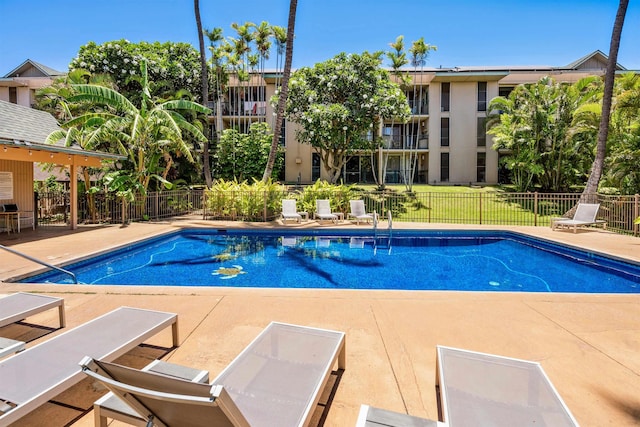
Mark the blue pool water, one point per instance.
(417, 260)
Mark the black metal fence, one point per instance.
(492, 208)
(53, 207)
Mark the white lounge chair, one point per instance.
(359, 213)
(38, 374)
(276, 380)
(290, 212)
(585, 215)
(479, 389)
(323, 211)
(19, 306)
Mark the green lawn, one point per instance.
(462, 204)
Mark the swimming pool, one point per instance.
(415, 260)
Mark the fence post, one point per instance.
(157, 205)
(429, 208)
(535, 209)
(636, 213)
(480, 194)
(204, 198)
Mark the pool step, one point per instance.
(382, 237)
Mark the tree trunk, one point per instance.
(268, 170)
(204, 79)
(609, 77)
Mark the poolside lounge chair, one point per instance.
(276, 380)
(585, 215)
(290, 212)
(323, 211)
(19, 306)
(34, 376)
(358, 212)
(482, 389)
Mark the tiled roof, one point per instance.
(19, 123)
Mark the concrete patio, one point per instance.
(588, 344)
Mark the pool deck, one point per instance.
(588, 344)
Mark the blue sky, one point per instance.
(466, 32)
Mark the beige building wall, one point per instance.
(435, 91)
(462, 128)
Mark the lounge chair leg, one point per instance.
(174, 333)
(61, 315)
(99, 419)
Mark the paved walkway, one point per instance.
(587, 344)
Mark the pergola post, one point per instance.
(73, 179)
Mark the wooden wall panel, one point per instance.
(22, 183)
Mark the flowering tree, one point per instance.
(339, 104)
(171, 66)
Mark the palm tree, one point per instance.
(419, 52)
(280, 38)
(55, 98)
(263, 34)
(609, 77)
(204, 76)
(219, 71)
(282, 99)
(147, 134)
(398, 58)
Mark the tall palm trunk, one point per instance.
(204, 79)
(268, 170)
(609, 77)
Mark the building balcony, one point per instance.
(408, 142)
(244, 108)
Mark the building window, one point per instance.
(13, 95)
(481, 132)
(482, 96)
(444, 131)
(444, 167)
(445, 96)
(481, 164)
(505, 91)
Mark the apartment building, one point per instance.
(445, 136)
(19, 86)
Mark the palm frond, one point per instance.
(104, 96)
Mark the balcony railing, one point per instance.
(407, 142)
(245, 108)
(419, 108)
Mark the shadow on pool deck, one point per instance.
(587, 344)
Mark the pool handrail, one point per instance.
(37, 261)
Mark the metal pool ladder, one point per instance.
(382, 238)
(37, 261)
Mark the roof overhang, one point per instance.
(28, 152)
(559, 76)
(469, 76)
(10, 82)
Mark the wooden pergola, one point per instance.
(23, 131)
